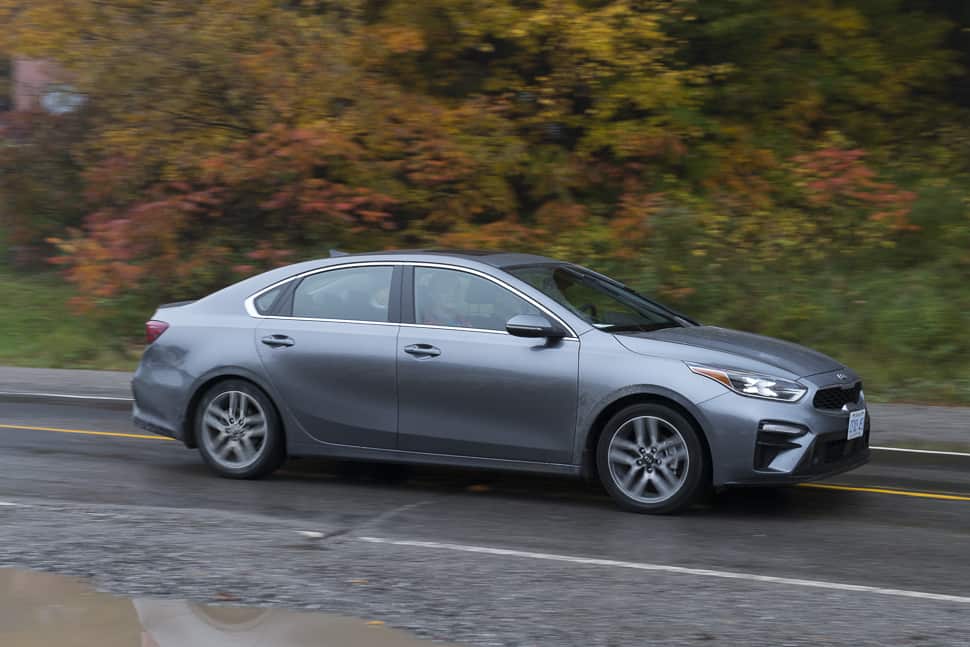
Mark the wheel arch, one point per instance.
(619, 401)
(203, 383)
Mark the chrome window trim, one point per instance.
(252, 312)
(461, 328)
(353, 321)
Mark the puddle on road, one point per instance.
(44, 610)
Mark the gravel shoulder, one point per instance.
(115, 384)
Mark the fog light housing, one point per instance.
(775, 444)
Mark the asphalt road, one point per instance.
(493, 559)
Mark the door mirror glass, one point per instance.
(533, 326)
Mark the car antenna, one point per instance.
(334, 253)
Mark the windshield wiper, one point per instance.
(641, 327)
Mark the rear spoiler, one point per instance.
(176, 304)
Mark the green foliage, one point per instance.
(805, 67)
(6, 82)
(40, 185)
(41, 330)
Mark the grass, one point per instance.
(904, 331)
(901, 331)
(40, 330)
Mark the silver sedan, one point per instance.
(492, 360)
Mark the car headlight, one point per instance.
(753, 384)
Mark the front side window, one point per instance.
(609, 306)
(454, 298)
(355, 294)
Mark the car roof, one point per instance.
(491, 257)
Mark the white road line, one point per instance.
(65, 396)
(920, 451)
(665, 568)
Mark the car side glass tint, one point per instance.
(266, 302)
(352, 294)
(459, 299)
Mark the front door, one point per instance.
(332, 356)
(468, 388)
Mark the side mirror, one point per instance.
(533, 326)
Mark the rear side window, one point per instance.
(266, 302)
(352, 294)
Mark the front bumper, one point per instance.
(827, 455)
(745, 454)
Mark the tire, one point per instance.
(251, 443)
(653, 450)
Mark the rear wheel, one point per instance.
(238, 430)
(650, 459)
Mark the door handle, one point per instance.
(422, 350)
(277, 341)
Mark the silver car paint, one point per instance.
(512, 403)
(489, 395)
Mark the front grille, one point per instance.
(836, 397)
(833, 449)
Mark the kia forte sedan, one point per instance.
(492, 360)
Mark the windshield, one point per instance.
(606, 304)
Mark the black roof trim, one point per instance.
(497, 258)
(443, 251)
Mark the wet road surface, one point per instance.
(490, 558)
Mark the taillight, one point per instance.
(154, 330)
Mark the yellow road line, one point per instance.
(878, 490)
(87, 432)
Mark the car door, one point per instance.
(330, 352)
(466, 387)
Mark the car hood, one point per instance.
(793, 358)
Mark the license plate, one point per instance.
(857, 424)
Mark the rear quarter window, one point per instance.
(266, 302)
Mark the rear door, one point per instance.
(331, 352)
(468, 388)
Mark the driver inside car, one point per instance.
(443, 305)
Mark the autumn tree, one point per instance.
(222, 137)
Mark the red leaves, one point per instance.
(286, 184)
(835, 177)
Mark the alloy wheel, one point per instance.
(648, 459)
(234, 429)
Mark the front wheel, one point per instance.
(650, 459)
(238, 430)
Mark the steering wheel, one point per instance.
(591, 309)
